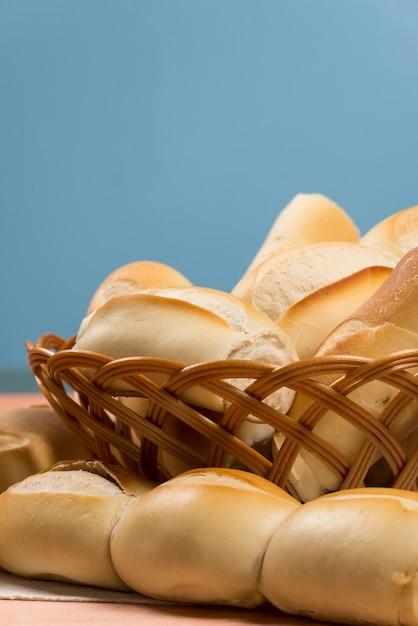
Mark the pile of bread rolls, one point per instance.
(217, 536)
(224, 535)
(315, 287)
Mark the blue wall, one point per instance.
(176, 130)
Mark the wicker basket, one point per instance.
(113, 431)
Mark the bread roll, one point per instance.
(309, 321)
(190, 325)
(221, 327)
(31, 439)
(239, 316)
(57, 524)
(134, 277)
(387, 322)
(200, 537)
(349, 557)
(308, 218)
(397, 232)
(286, 278)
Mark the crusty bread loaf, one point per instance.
(243, 317)
(134, 277)
(190, 325)
(349, 557)
(200, 537)
(31, 439)
(57, 524)
(386, 323)
(221, 327)
(395, 302)
(308, 218)
(309, 321)
(397, 232)
(288, 277)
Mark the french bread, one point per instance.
(386, 323)
(200, 537)
(31, 439)
(190, 325)
(56, 525)
(309, 321)
(169, 327)
(285, 278)
(308, 218)
(240, 316)
(134, 277)
(348, 557)
(397, 232)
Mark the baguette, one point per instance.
(397, 232)
(308, 218)
(134, 277)
(221, 327)
(200, 537)
(189, 325)
(56, 525)
(309, 321)
(348, 557)
(286, 278)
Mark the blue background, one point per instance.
(176, 130)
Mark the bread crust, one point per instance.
(200, 537)
(190, 325)
(57, 524)
(171, 327)
(395, 301)
(286, 278)
(397, 232)
(348, 557)
(309, 321)
(134, 277)
(308, 218)
(31, 439)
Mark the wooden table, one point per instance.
(69, 613)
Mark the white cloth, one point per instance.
(17, 588)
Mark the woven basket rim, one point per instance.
(58, 369)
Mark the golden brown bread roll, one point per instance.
(397, 232)
(200, 537)
(308, 218)
(220, 327)
(309, 321)
(349, 557)
(57, 524)
(134, 277)
(284, 279)
(31, 439)
(190, 325)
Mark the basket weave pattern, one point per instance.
(114, 431)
